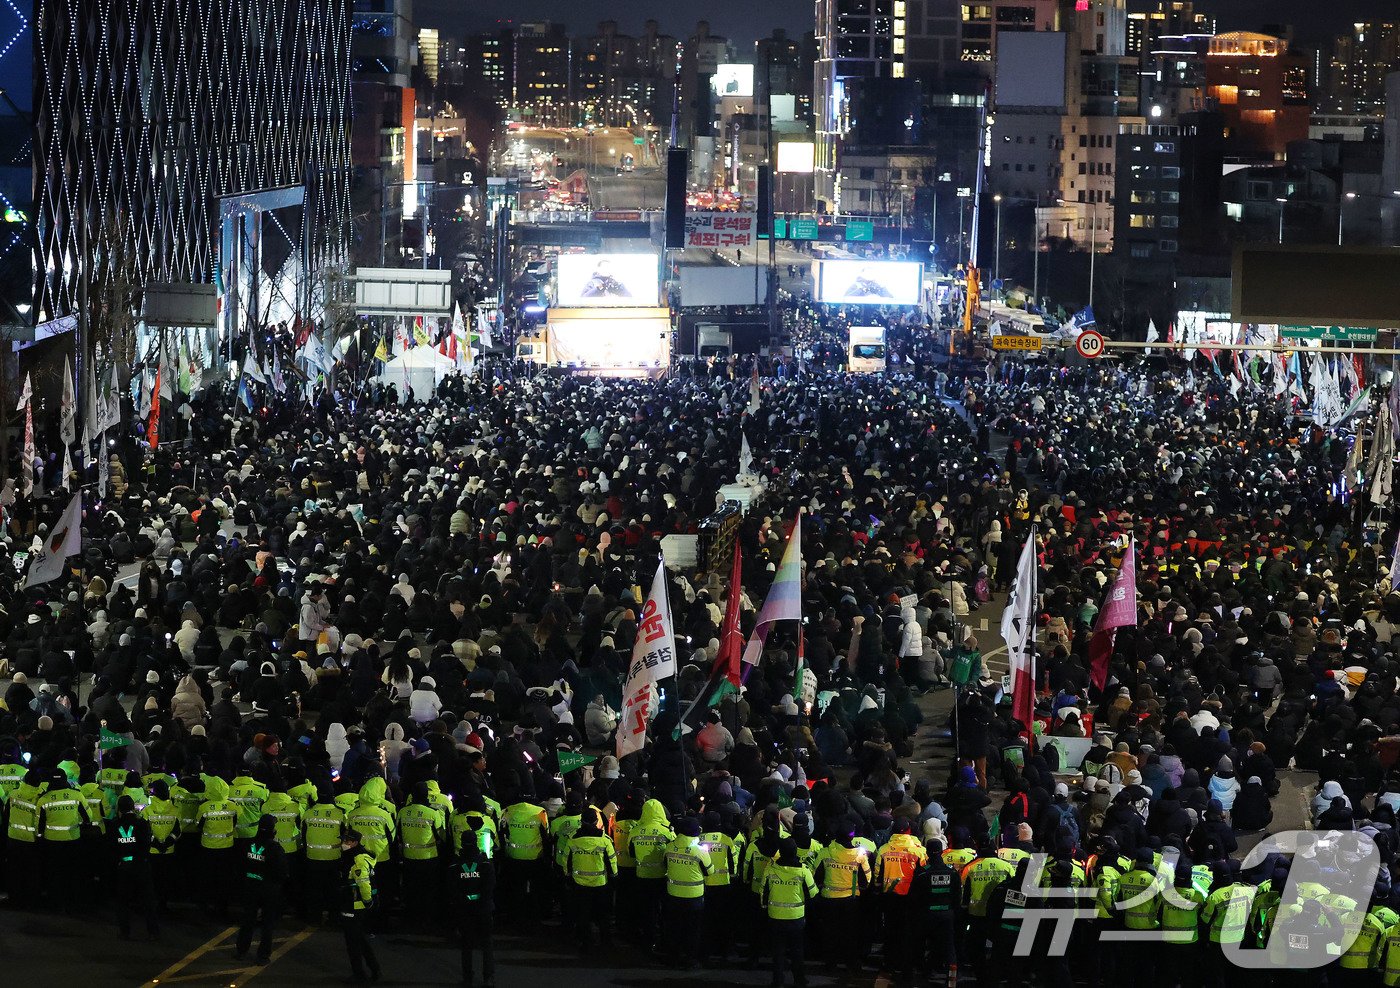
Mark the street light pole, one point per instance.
(1093, 247)
(996, 275)
(1280, 200)
(1341, 214)
(1035, 280)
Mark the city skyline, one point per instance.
(1312, 23)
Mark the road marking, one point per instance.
(191, 957)
(291, 944)
(203, 975)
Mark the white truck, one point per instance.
(865, 354)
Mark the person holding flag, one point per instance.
(1018, 630)
(1119, 611)
(653, 659)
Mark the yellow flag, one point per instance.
(420, 335)
(381, 352)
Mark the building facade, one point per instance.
(152, 143)
(1260, 85)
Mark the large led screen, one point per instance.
(870, 282)
(608, 342)
(608, 280)
(731, 79)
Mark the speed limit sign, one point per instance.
(1089, 344)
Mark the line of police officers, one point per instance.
(677, 886)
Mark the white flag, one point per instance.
(65, 540)
(755, 393)
(68, 409)
(745, 457)
(251, 369)
(63, 481)
(653, 659)
(25, 394)
(1018, 620)
(104, 468)
(111, 403)
(1152, 336)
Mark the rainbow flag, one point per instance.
(784, 601)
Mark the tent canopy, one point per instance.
(419, 369)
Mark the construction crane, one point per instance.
(984, 150)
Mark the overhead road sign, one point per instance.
(860, 230)
(1350, 334)
(1017, 343)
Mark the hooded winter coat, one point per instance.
(391, 749)
(911, 644)
(336, 744)
(187, 705)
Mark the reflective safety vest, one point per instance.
(756, 865)
(1390, 957)
(359, 884)
(724, 855)
(24, 813)
(590, 861)
(96, 801)
(217, 821)
(112, 781)
(1227, 910)
(287, 812)
(322, 827)
(786, 889)
(1138, 892)
(487, 836)
(959, 858)
(524, 826)
(11, 775)
(842, 869)
(1181, 913)
(1364, 954)
(302, 794)
(187, 803)
(126, 844)
(160, 814)
(897, 861)
(1015, 855)
(421, 829)
(376, 827)
(561, 828)
(810, 855)
(62, 813)
(687, 864)
(980, 879)
(649, 842)
(248, 795)
(622, 840)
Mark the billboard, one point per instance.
(608, 280)
(1316, 286)
(719, 229)
(796, 157)
(609, 342)
(731, 79)
(782, 107)
(704, 286)
(870, 282)
(1030, 69)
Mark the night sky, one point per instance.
(746, 20)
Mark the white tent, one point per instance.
(420, 369)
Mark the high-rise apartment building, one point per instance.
(1361, 59)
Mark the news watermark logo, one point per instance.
(1316, 916)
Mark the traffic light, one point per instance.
(974, 296)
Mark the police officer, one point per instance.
(217, 823)
(1182, 904)
(648, 846)
(474, 888)
(131, 841)
(590, 861)
(524, 828)
(62, 816)
(1006, 914)
(935, 894)
(787, 888)
(844, 875)
(356, 900)
(422, 831)
(1139, 902)
(688, 863)
(1361, 961)
(264, 874)
(164, 821)
(980, 879)
(22, 834)
(722, 888)
(895, 865)
(322, 832)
